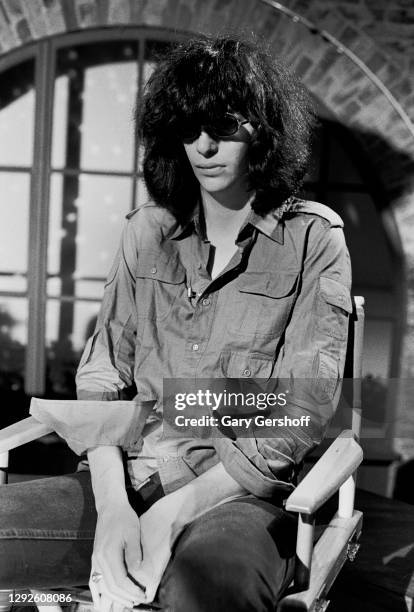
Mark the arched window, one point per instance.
(69, 173)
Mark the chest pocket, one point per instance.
(160, 279)
(263, 302)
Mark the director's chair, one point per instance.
(317, 565)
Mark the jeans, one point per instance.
(236, 557)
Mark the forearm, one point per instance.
(107, 475)
(203, 493)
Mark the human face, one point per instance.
(220, 164)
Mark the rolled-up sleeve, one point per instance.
(91, 423)
(309, 367)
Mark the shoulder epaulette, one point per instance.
(135, 210)
(131, 213)
(316, 208)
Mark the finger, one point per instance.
(95, 594)
(106, 603)
(100, 587)
(150, 582)
(116, 582)
(115, 597)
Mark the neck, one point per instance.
(225, 212)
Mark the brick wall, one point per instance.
(379, 32)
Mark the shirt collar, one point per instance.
(269, 225)
(194, 223)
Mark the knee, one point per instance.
(195, 584)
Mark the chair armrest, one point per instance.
(24, 431)
(335, 466)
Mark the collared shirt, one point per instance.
(278, 311)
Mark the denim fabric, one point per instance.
(277, 312)
(236, 557)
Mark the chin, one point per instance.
(212, 184)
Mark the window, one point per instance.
(69, 173)
(17, 104)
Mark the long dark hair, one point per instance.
(203, 78)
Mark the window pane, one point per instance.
(85, 228)
(68, 325)
(13, 339)
(17, 102)
(60, 118)
(13, 282)
(96, 87)
(14, 217)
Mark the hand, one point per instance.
(159, 530)
(116, 553)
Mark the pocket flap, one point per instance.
(272, 284)
(160, 268)
(335, 293)
(240, 365)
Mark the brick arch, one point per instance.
(342, 87)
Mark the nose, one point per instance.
(206, 145)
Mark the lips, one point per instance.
(209, 166)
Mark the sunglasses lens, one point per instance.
(222, 127)
(226, 125)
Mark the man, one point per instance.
(222, 275)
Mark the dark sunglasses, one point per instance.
(222, 127)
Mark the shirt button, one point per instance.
(246, 373)
(206, 302)
(195, 347)
(153, 270)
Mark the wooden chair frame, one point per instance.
(316, 566)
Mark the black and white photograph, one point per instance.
(206, 305)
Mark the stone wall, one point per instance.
(379, 32)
